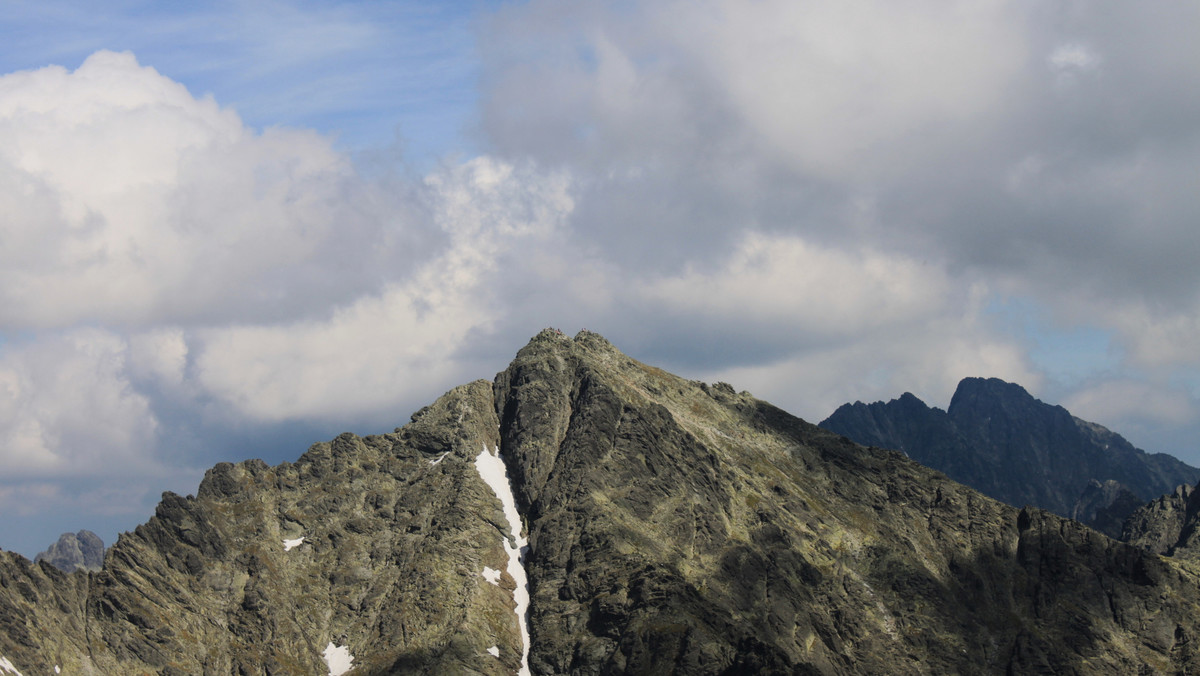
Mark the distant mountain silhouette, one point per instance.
(998, 439)
(74, 551)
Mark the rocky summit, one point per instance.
(73, 551)
(663, 526)
(997, 438)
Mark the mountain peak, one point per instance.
(74, 551)
(671, 526)
(998, 438)
(989, 394)
(584, 338)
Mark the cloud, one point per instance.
(1072, 56)
(945, 133)
(824, 89)
(1126, 400)
(68, 409)
(128, 201)
(837, 90)
(385, 348)
(144, 229)
(810, 327)
(167, 269)
(785, 283)
(927, 359)
(1161, 338)
(1159, 413)
(816, 203)
(159, 356)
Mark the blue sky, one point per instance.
(232, 229)
(371, 73)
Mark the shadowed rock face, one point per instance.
(674, 527)
(1169, 525)
(1105, 506)
(73, 551)
(998, 439)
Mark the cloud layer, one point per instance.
(1038, 153)
(127, 201)
(818, 204)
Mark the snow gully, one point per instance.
(491, 469)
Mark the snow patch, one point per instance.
(289, 544)
(491, 575)
(492, 470)
(338, 659)
(8, 667)
(440, 458)
(494, 651)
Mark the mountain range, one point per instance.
(655, 525)
(1000, 440)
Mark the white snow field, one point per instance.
(338, 658)
(492, 470)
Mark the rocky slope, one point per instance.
(998, 439)
(673, 527)
(363, 543)
(1168, 525)
(73, 551)
(1106, 506)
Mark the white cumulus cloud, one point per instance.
(67, 408)
(127, 200)
(385, 347)
(785, 282)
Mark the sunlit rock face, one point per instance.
(672, 527)
(361, 553)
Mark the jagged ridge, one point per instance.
(674, 527)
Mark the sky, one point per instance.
(229, 230)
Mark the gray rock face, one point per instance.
(1105, 506)
(1168, 525)
(389, 565)
(73, 551)
(683, 528)
(998, 439)
(674, 527)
